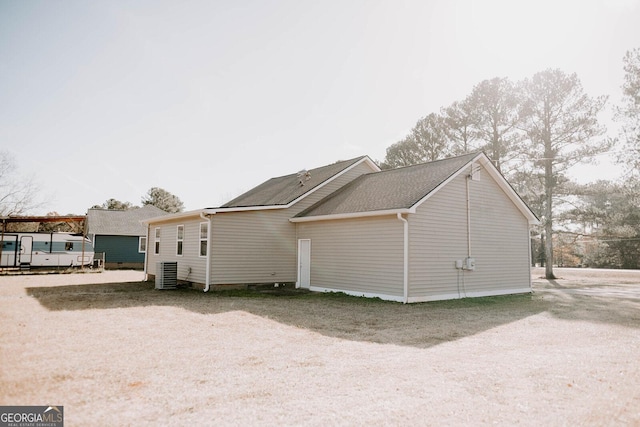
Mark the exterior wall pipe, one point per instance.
(207, 280)
(405, 274)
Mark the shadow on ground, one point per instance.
(363, 319)
(334, 315)
(594, 302)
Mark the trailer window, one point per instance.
(68, 246)
(9, 245)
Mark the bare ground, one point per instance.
(114, 351)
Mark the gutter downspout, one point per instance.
(207, 280)
(530, 259)
(146, 252)
(405, 280)
(469, 215)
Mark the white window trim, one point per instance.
(206, 238)
(140, 240)
(156, 241)
(179, 239)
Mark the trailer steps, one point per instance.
(25, 266)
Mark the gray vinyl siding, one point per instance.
(438, 237)
(253, 247)
(259, 246)
(191, 267)
(362, 255)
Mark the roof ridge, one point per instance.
(471, 154)
(285, 189)
(437, 165)
(355, 159)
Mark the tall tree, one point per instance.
(460, 124)
(495, 105)
(431, 138)
(561, 123)
(402, 153)
(426, 142)
(113, 204)
(164, 200)
(18, 194)
(629, 113)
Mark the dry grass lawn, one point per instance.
(114, 351)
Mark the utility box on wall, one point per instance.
(469, 263)
(466, 264)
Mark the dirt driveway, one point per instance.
(114, 351)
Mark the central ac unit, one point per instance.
(166, 275)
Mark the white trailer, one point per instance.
(45, 250)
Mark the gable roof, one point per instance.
(401, 190)
(121, 222)
(284, 190)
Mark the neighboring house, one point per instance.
(452, 228)
(121, 235)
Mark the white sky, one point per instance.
(206, 99)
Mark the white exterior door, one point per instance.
(304, 263)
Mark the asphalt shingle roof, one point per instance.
(388, 189)
(121, 222)
(285, 189)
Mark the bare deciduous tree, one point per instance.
(18, 195)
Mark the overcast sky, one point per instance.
(206, 99)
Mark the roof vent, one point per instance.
(303, 176)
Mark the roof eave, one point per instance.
(352, 215)
(173, 217)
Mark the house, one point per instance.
(120, 235)
(452, 228)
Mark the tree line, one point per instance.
(535, 130)
(156, 196)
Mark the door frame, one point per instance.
(304, 264)
(26, 256)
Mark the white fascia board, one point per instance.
(172, 217)
(365, 159)
(214, 211)
(351, 215)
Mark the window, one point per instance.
(204, 237)
(179, 239)
(142, 244)
(157, 242)
(68, 246)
